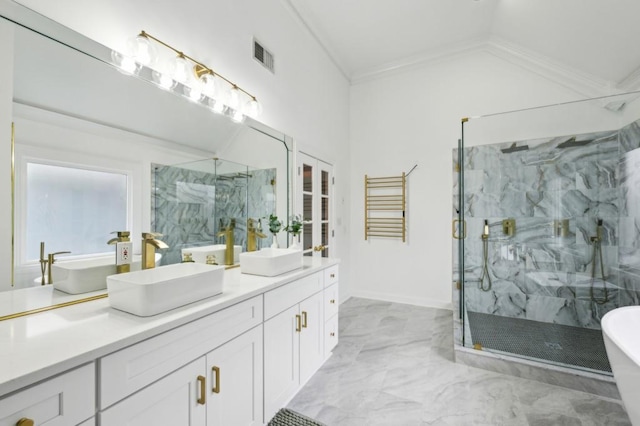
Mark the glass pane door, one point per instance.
(315, 181)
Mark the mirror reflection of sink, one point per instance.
(270, 262)
(199, 254)
(85, 275)
(153, 291)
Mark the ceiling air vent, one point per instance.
(263, 56)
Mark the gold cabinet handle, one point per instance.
(332, 334)
(298, 323)
(216, 387)
(332, 275)
(332, 301)
(304, 319)
(25, 422)
(203, 390)
(319, 248)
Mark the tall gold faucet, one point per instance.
(51, 259)
(253, 234)
(227, 233)
(150, 243)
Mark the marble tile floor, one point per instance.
(394, 366)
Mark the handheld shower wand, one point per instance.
(485, 259)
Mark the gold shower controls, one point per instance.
(509, 227)
(561, 228)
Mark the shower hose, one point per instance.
(485, 265)
(597, 252)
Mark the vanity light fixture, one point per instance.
(199, 82)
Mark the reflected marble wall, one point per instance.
(536, 273)
(189, 207)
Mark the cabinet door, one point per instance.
(312, 336)
(176, 399)
(67, 399)
(235, 381)
(281, 360)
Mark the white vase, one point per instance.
(274, 245)
(294, 243)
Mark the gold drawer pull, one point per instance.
(304, 319)
(203, 390)
(298, 323)
(332, 301)
(332, 334)
(216, 387)
(25, 422)
(332, 275)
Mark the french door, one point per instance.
(314, 202)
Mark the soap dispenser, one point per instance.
(124, 248)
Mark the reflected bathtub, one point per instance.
(621, 331)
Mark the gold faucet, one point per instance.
(51, 259)
(150, 243)
(253, 234)
(227, 233)
(123, 236)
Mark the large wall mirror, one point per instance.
(75, 112)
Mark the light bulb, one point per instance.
(180, 69)
(237, 116)
(195, 91)
(124, 62)
(218, 106)
(164, 80)
(142, 50)
(208, 82)
(233, 99)
(253, 108)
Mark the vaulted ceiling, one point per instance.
(595, 43)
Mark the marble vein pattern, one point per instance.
(190, 207)
(540, 273)
(394, 365)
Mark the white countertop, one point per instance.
(35, 347)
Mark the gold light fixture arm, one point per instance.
(200, 68)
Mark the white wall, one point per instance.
(307, 98)
(6, 78)
(415, 117)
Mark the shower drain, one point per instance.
(553, 345)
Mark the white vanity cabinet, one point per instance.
(222, 388)
(156, 381)
(293, 339)
(331, 303)
(67, 399)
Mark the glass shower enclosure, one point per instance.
(547, 220)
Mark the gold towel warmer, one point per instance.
(384, 204)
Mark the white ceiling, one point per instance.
(595, 41)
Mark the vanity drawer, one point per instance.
(281, 298)
(331, 275)
(137, 366)
(67, 399)
(330, 335)
(331, 301)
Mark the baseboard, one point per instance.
(407, 300)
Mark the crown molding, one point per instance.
(631, 82)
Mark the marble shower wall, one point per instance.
(537, 274)
(189, 207)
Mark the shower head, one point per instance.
(572, 142)
(514, 148)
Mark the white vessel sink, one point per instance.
(270, 262)
(153, 291)
(85, 275)
(199, 254)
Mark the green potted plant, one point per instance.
(274, 227)
(295, 229)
